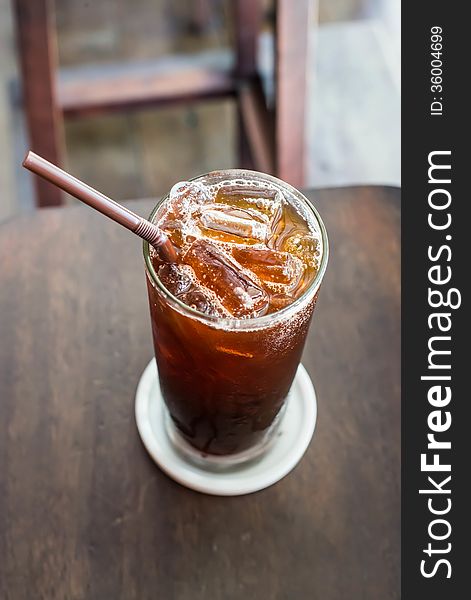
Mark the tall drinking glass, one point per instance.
(225, 380)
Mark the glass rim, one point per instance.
(232, 322)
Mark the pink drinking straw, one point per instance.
(83, 192)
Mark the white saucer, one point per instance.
(292, 438)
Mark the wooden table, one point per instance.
(85, 513)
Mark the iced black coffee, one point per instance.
(230, 317)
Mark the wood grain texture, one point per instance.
(85, 513)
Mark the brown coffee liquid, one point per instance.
(244, 251)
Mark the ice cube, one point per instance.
(265, 201)
(242, 213)
(270, 265)
(174, 278)
(239, 293)
(234, 222)
(185, 196)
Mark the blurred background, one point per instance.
(108, 56)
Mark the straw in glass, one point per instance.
(142, 227)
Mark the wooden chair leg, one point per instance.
(293, 21)
(38, 57)
(258, 126)
(248, 18)
(201, 15)
(243, 145)
(247, 21)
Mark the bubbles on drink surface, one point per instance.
(305, 247)
(244, 249)
(185, 195)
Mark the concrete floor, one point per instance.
(352, 125)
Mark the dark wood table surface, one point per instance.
(86, 514)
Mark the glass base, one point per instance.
(217, 462)
(255, 470)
